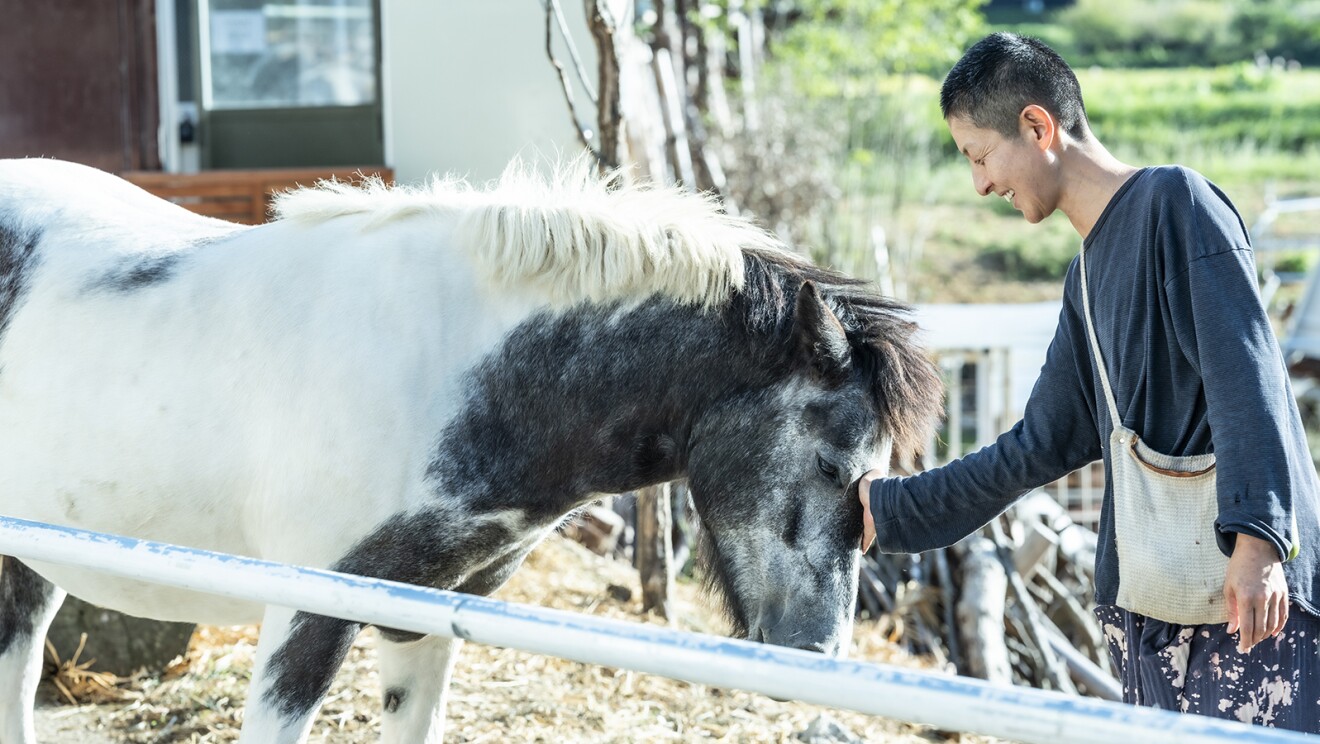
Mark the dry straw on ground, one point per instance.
(77, 682)
(498, 695)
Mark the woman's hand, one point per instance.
(864, 493)
(1255, 590)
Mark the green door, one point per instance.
(290, 83)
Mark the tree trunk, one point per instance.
(609, 116)
(677, 149)
(652, 552)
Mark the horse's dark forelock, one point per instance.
(905, 383)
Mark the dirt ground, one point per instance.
(498, 695)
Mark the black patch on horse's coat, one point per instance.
(23, 595)
(398, 636)
(607, 399)
(433, 547)
(491, 577)
(303, 667)
(481, 583)
(572, 404)
(394, 697)
(653, 456)
(596, 399)
(140, 273)
(18, 256)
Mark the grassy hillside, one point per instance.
(1254, 131)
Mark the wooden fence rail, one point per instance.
(241, 195)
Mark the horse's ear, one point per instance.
(819, 336)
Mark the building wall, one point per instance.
(468, 86)
(78, 82)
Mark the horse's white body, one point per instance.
(279, 391)
(218, 409)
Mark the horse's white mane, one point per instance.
(574, 235)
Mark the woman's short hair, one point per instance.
(1003, 74)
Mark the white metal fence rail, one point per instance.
(953, 703)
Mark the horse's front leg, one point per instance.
(27, 606)
(414, 677)
(415, 670)
(298, 654)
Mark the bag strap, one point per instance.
(1114, 420)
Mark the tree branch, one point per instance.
(551, 11)
(572, 51)
(609, 115)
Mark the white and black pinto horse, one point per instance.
(418, 385)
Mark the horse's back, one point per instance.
(169, 378)
(62, 221)
(38, 191)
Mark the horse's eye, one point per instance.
(827, 469)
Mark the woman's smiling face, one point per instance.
(1015, 168)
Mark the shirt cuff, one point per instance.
(1228, 526)
(888, 536)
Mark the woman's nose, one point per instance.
(981, 184)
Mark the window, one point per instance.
(288, 53)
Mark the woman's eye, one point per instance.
(827, 469)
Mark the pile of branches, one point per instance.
(1011, 603)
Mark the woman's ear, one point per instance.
(1038, 125)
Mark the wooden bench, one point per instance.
(241, 195)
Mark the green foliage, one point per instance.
(842, 47)
(823, 170)
(1259, 118)
(1159, 33)
(1165, 112)
(1240, 125)
(864, 74)
(1293, 262)
(1031, 258)
(1287, 29)
(850, 69)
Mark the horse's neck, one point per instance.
(586, 402)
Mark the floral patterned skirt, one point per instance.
(1197, 669)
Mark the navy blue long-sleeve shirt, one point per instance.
(1194, 366)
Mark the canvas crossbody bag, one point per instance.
(1169, 564)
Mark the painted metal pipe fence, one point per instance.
(945, 701)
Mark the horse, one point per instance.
(419, 384)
